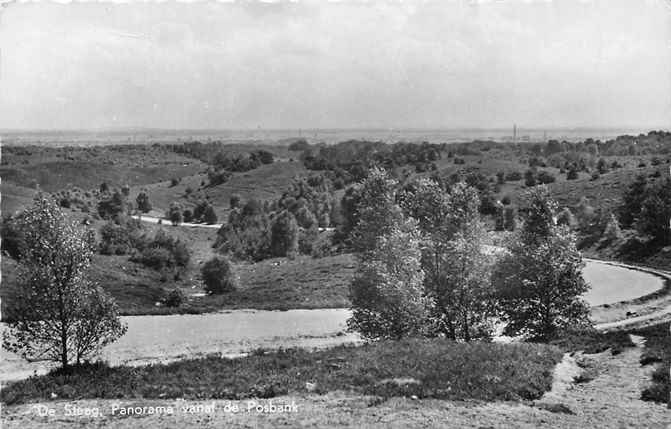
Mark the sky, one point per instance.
(411, 64)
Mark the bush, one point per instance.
(234, 201)
(299, 145)
(545, 177)
(175, 298)
(13, 238)
(284, 235)
(218, 177)
(163, 252)
(572, 174)
(174, 213)
(187, 215)
(174, 181)
(209, 215)
(218, 276)
(120, 239)
(514, 176)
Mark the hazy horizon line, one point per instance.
(298, 129)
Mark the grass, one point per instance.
(591, 341)
(426, 368)
(266, 182)
(657, 351)
(275, 284)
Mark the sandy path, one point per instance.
(611, 400)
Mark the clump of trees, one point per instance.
(450, 285)
(538, 282)
(285, 227)
(163, 253)
(429, 228)
(58, 314)
(121, 237)
(647, 207)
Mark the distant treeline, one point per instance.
(351, 160)
(220, 157)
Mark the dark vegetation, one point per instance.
(429, 369)
(218, 276)
(657, 352)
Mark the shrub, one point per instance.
(514, 176)
(612, 232)
(175, 298)
(545, 177)
(529, 178)
(572, 174)
(120, 239)
(143, 203)
(284, 235)
(299, 145)
(218, 276)
(510, 218)
(163, 252)
(218, 177)
(113, 206)
(174, 213)
(174, 181)
(209, 215)
(13, 237)
(187, 215)
(234, 201)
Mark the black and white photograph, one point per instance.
(335, 214)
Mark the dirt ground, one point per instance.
(610, 400)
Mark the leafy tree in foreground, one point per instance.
(59, 314)
(457, 270)
(377, 210)
(387, 291)
(539, 282)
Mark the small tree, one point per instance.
(234, 201)
(209, 215)
(567, 218)
(510, 218)
(143, 203)
(59, 314)
(632, 201)
(655, 214)
(387, 291)
(284, 235)
(612, 232)
(218, 276)
(175, 213)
